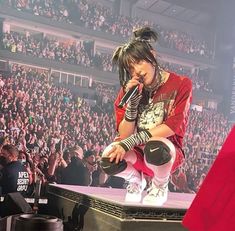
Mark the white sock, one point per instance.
(130, 174)
(161, 181)
(161, 173)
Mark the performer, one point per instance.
(151, 126)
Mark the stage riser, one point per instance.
(93, 220)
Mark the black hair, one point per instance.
(88, 153)
(3, 161)
(137, 49)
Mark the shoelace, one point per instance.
(133, 188)
(155, 191)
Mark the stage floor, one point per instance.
(117, 196)
(107, 209)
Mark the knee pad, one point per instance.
(157, 152)
(111, 168)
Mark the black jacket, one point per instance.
(76, 173)
(14, 178)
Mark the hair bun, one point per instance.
(145, 33)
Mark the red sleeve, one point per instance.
(179, 114)
(119, 112)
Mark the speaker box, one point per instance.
(14, 203)
(8, 223)
(31, 222)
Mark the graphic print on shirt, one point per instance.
(156, 112)
(151, 116)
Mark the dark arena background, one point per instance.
(57, 89)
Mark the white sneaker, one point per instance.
(135, 189)
(157, 195)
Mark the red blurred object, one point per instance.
(213, 208)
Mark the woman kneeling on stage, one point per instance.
(151, 124)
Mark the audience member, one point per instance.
(15, 177)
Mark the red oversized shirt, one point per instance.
(170, 106)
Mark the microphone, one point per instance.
(125, 99)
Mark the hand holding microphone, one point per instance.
(132, 98)
(132, 87)
(125, 99)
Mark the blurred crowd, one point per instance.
(60, 136)
(52, 135)
(64, 51)
(79, 54)
(49, 125)
(206, 133)
(95, 16)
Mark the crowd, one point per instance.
(62, 51)
(206, 133)
(49, 125)
(95, 16)
(53, 133)
(56, 133)
(77, 53)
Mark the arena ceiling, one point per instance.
(194, 11)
